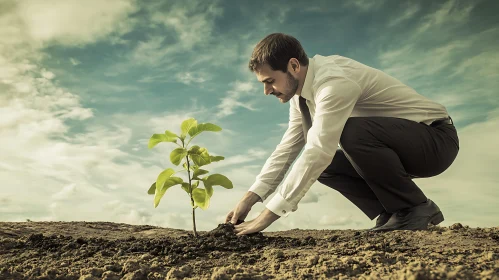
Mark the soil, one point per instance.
(104, 250)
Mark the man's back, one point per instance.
(382, 95)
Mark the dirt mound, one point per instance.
(102, 250)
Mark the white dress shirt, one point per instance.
(335, 89)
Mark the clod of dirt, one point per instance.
(456, 226)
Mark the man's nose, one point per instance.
(267, 89)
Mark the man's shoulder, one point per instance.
(336, 66)
(325, 68)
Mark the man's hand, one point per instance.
(242, 208)
(265, 219)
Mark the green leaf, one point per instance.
(201, 199)
(216, 158)
(187, 125)
(152, 189)
(162, 177)
(177, 155)
(199, 172)
(170, 182)
(191, 166)
(185, 187)
(171, 135)
(203, 127)
(209, 190)
(216, 180)
(158, 138)
(199, 155)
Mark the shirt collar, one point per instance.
(306, 91)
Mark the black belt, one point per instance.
(440, 122)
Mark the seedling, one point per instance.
(195, 157)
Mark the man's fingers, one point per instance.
(234, 219)
(229, 216)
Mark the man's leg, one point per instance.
(386, 152)
(390, 151)
(341, 176)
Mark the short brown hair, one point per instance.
(276, 50)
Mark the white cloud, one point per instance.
(328, 220)
(192, 23)
(365, 5)
(189, 77)
(231, 101)
(73, 22)
(47, 74)
(74, 61)
(448, 15)
(411, 10)
(421, 63)
(150, 51)
(66, 192)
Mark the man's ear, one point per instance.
(294, 64)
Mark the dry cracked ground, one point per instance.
(103, 250)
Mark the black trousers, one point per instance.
(380, 157)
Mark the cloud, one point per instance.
(73, 22)
(448, 16)
(334, 221)
(231, 101)
(189, 77)
(421, 63)
(66, 192)
(409, 13)
(191, 24)
(74, 61)
(365, 5)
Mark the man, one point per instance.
(388, 134)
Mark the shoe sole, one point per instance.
(437, 218)
(434, 220)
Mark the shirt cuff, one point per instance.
(280, 206)
(261, 189)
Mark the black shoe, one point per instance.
(382, 219)
(415, 218)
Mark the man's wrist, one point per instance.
(251, 197)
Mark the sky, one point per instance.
(85, 84)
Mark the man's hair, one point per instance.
(276, 50)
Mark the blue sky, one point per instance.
(84, 84)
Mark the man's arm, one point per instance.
(278, 163)
(335, 100)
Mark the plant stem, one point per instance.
(192, 200)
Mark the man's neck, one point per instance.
(301, 79)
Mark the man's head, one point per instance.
(280, 62)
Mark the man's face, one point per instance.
(282, 85)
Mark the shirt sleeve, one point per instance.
(283, 156)
(335, 100)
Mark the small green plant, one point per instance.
(195, 157)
